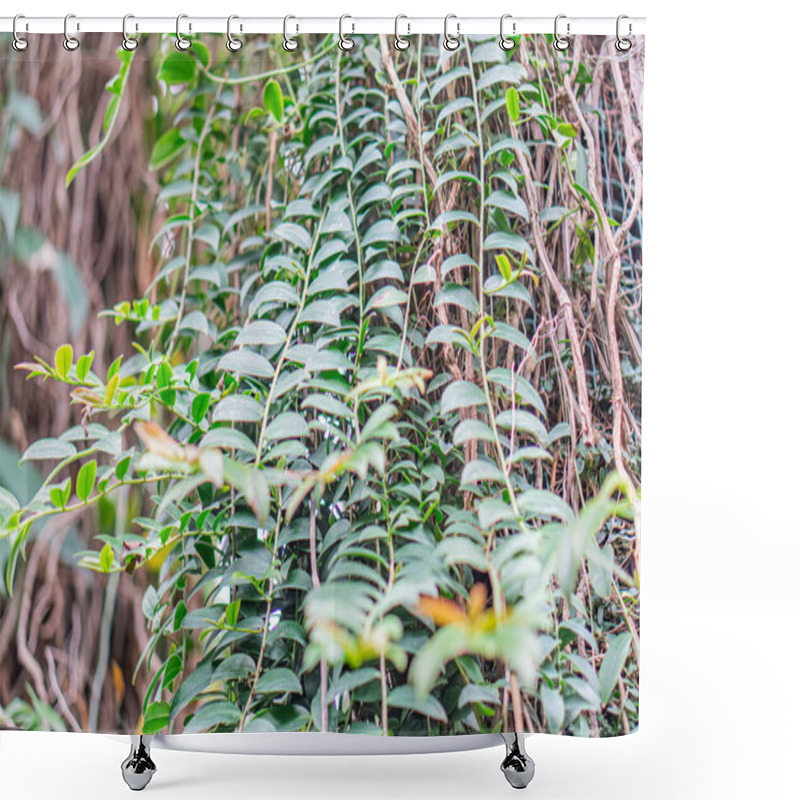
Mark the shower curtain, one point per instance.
(321, 385)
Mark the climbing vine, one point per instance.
(381, 408)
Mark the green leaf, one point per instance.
(59, 495)
(262, 332)
(121, 469)
(553, 704)
(473, 693)
(156, 718)
(456, 295)
(273, 100)
(63, 362)
(84, 365)
(321, 311)
(200, 406)
(219, 712)
(511, 72)
(168, 147)
(541, 503)
(461, 394)
(504, 265)
(106, 557)
(509, 241)
(177, 68)
(180, 613)
(237, 408)
(512, 104)
(235, 667)
(232, 613)
(85, 481)
(481, 470)
(613, 662)
(522, 422)
(246, 362)
(278, 681)
(190, 689)
(469, 430)
(46, 449)
(228, 437)
(405, 697)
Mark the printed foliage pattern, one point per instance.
(380, 414)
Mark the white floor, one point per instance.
(731, 733)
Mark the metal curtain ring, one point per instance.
(400, 42)
(18, 43)
(70, 42)
(506, 42)
(451, 42)
(233, 44)
(345, 42)
(181, 42)
(289, 44)
(128, 42)
(560, 42)
(623, 44)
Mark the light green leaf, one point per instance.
(273, 100)
(168, 147)
(106, 557)
(63, 362)
(84, 483)
(512, 104)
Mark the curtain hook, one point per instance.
(560, 42)
(289, 43)
(70, 42)
(233, 44)
(400, 42)
(506, 42)
(451, 42)
(128, 42)
(623, 44)
(345, 42)
(181, 42)
(19, 44)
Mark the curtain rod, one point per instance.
(299, 25)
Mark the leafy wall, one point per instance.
(369, 456)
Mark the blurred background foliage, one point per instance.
(356, 444)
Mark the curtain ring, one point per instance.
(233, 44)
(289, 44)
(400, 42)
(506, 42)
(181, 42)
(70, 42)
(623, 44)
(560, 42)
(345, 42)
(128, 42)
(451, 42)
(19, 44)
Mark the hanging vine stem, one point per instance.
(482, 299)
(611, 298)
(270, 73)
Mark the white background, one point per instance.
(719, 707)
